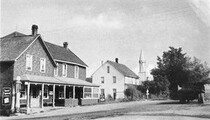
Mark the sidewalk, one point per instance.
(79, 109)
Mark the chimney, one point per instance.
(34, 29)
(65, 45)
(116, 60)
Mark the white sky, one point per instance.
(99, 30)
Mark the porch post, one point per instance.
(53, 95)
(28, 97)
(64, 87)
(83, 92)
(73, 92)
(42, 95)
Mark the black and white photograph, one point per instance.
(105, 59)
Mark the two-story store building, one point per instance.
(35, 73)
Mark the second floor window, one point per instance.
(29, 61)
(114, 79)
(76, 72)
(108, 69)
(42, 65)
(56, 70)
(64, 73)
(102, 79)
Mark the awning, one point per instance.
(56, 80)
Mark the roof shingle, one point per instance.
(63, 54)
(123, 69)
(13, 45)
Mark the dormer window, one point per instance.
(29, 61)
(76, 72)
(64, 72)
(42, 65)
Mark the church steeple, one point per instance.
(142, 63)
(142, 67)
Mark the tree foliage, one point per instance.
(175, 68)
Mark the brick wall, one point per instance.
(38, 52)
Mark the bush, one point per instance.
(109, 98)
(132, 93)
(185, 95)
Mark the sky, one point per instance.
(101, 30)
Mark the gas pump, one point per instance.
(6, 100)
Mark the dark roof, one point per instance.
(89, 79)
(63, 54)
(13, 45)
(123, 69)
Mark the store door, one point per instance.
(35, 95)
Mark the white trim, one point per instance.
(44, 62)
(76, 72)
(31, 62)
(64, 72)
(27, 47)
(56, 70)
(70, 63)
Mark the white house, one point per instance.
(114, 78)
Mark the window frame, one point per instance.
(108, 69)
(43, 63)
(76, 71)
(87, 92)
(56, 70)
(64, 71)
(47, 91)
(29, 62)
(23, 90)
(114, 79)
(102, 80)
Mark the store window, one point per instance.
(23, 91)
(87, 92)
(95, 92)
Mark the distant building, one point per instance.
(142, 68)
(114, 78)
(35, 73)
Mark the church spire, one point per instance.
(142, 67)
(141, 62)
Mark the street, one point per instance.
(144, 110)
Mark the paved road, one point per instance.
(144, 110)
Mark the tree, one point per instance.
(175, 68)
(171, 67)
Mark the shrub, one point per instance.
(132, 93)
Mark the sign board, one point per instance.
(6, 95)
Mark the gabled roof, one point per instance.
(63, 54)
(123, 69)
(13, 45)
